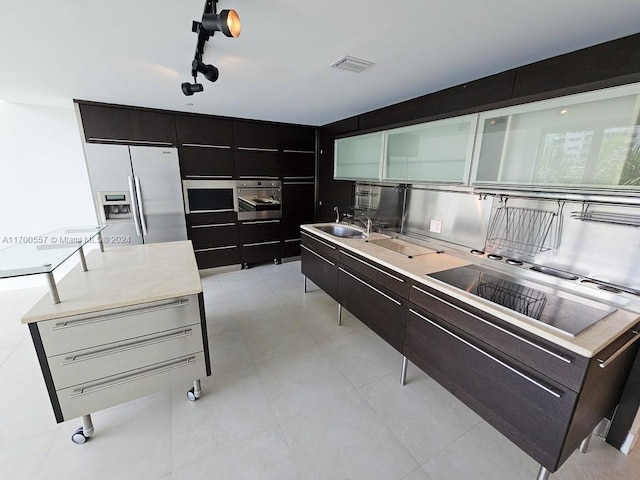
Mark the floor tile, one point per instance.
(229, 353)
(417, 474)
(345, 439)
(23, 460)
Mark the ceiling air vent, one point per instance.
(352, 64)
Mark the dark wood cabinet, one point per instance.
(381, 275)
(256, 136)
(206, 162)
(215, 238)
(298, 139)
(298, 201)
(260, 241)
(319, 268)
(298, 165)
(382, 310)
(257, 164)
(204, 131)
(111, 124)
(331, 193)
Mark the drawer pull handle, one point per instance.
(204, 177)
(497, 327)
(401, 280)
(257, 149)
(129, 142)
(604, 363)
(491, 357)
(318, 255)
(259, 222)
(211, 225)
(292, 240)
(204, 145)
(128, 313)
(332, 247)
(132, 377)
(128, 346)
(370, 286)
(257, 244)
(286, 150)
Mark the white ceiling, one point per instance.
(137, 52)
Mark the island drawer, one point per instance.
(96, 395)
(546, 357)
(320, 245)
(381, 275)
(82, 366)
(78, 332)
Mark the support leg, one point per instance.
(584, 446)
(83, 261)
(339, 314)
(196, 392)
(543, 473)
(101, 242)
(405, 363)
(304, 285)
(53, 290)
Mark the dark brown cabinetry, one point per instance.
(319, 263)
(256, 136)
(215, 238)
(110, 124)
(297, 209)
(257, 164)
(260, 241)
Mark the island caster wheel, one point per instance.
(195, 392)
(78, 436)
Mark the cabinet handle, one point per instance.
(256, 244)
(210, 225)
(370, 286)
(297, 151)
(134, 213)
(130, 142)
(261, 177)
(131, 377)
(332, 247)
(305, 177)
(143, 222)
(128, 313)
(204, 145)
(127, 346)
(373, 266)
(257, 149)
(205, 177)
(318, 255)
(297, 183)
(292, 240)
(259, 222)
(211, 249)
(497, 327)
(489, 356)
(605, 363)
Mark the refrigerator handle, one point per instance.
(134, 214)
(143, 223)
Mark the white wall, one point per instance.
(44, 183)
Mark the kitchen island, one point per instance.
(543, 389)
(133, 324)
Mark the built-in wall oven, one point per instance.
(209, 196)
(259, 199)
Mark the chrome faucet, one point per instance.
(335, 209)
(366, 224)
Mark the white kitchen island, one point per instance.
(133, 324)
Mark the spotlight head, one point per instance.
(190, 88)
(227, 22)
(210, 72)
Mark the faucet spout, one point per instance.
(335, 209)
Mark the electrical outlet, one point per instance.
(436, 226)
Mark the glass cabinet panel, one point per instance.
(438, 151)
(589, 140)
(359, 157)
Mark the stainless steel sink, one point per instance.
(342, 231)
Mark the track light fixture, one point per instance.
(227, 22)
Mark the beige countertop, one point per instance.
(121, 277)
(587, 343)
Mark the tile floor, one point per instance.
(292, 396)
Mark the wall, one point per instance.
(43, 179)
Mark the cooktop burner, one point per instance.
(567, 316)
(514, 261)
(494, 256)
(477, 252)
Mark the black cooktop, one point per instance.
(567, 316)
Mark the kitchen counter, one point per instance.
(122, 277)
(587, 344)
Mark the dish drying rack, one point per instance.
(528, 301)
(523, 231)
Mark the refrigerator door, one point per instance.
(159, 192)
(109, 169)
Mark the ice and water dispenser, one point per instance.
(115, 206)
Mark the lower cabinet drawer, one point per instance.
(217, 256)
(261, 251)
(532, 411)
(290, 247)
(78, 332)
(106, 360)
(92, 396)
(320, 270)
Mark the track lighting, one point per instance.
(227, 22)
(190, 88)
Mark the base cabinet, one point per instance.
(215, 238)
(320, 270)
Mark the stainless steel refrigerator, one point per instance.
(137, 193)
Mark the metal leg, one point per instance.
(101, 242)
(405, 363)
(339, 314)
(195, 392)
(304, 285)
(53, 290)
(87, 426)
(584, 446)
(543, 473)
(83, 260)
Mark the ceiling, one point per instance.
(139, 52)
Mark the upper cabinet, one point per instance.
(438, 151)
(251, 136)
(586, 141)
(204, 131)
(107, 124)
(359, 157)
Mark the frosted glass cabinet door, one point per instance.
(589, 140)
(437, 151)
(359, 157)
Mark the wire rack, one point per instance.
(522, 231)
(528, 301)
